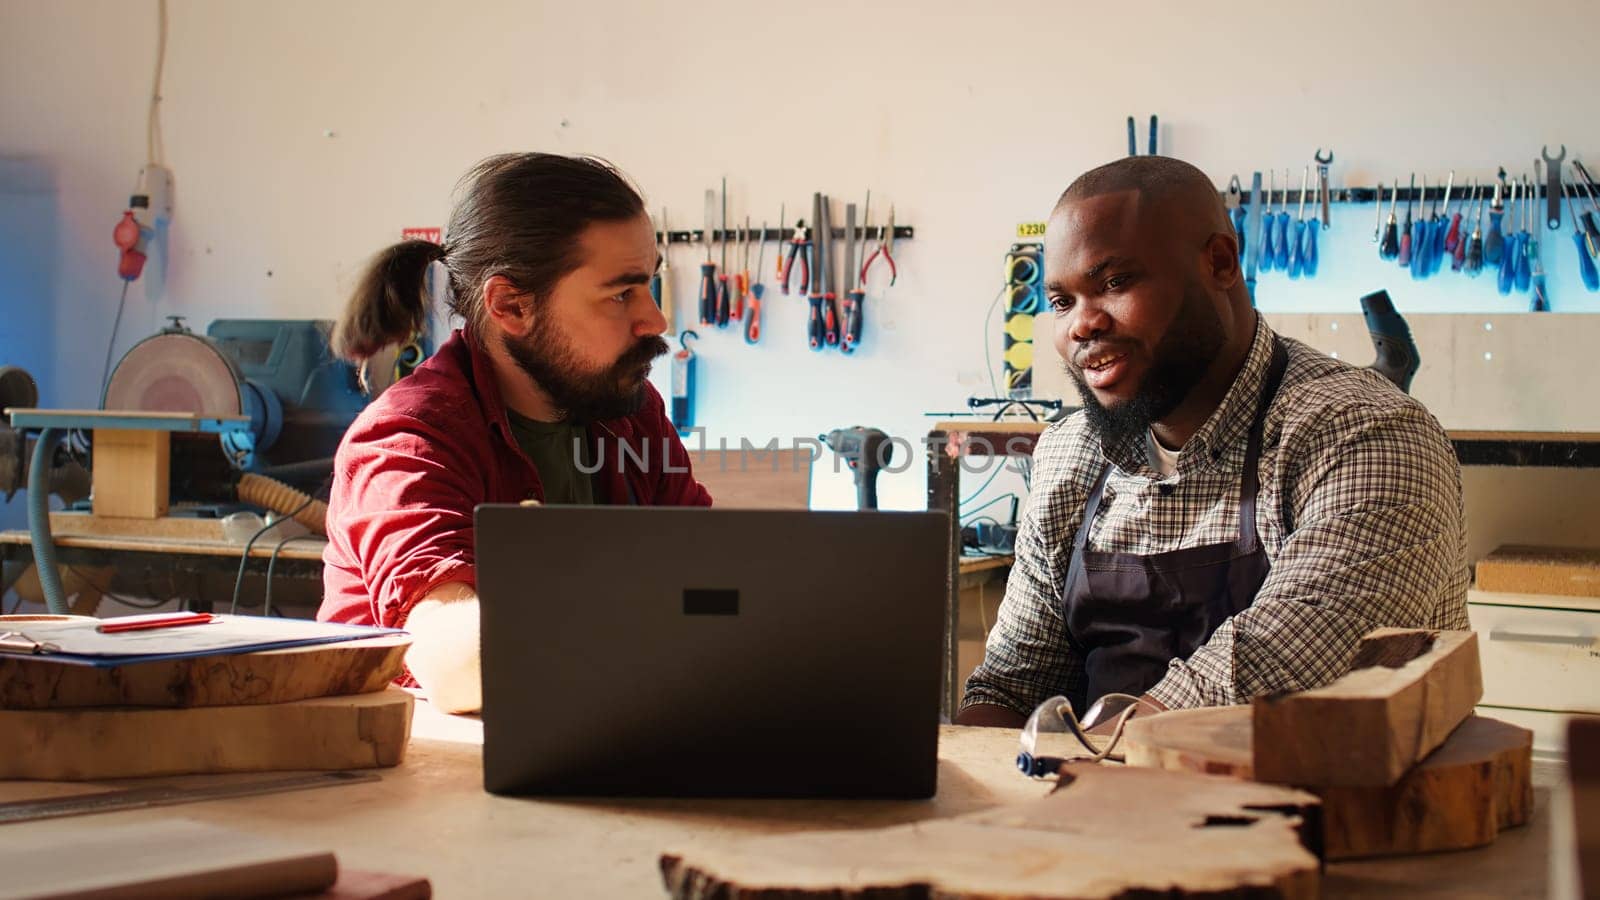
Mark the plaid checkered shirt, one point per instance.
(1360, 513)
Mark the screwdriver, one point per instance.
(1294, 260)
(1474, 261)
(741, 281)
(782, 208)
(708, 269)
(1266, 222)
(1390, 248)
(1508, 249)
(1405, 230)
(1280, 246)
(1419, 236)
(1588, 218)
(724, 301)
(1591, 278)
(1453, 236)
(1541, 300)
(1458, 253)
(1377, 225)
(1525, 239)
(1436, 227)
(661, 284)
(752, 319)
(1491, 246)
(1308, 253)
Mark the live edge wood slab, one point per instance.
(274, 676)
(1476, 784)
(1104, 832)
(356, 732)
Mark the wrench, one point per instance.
(1322, 178)
(1552, 190)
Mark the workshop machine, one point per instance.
(280, 374)
(269, 404)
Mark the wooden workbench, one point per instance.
(193, 563)
(431, 817)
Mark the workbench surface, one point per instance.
(431, 817)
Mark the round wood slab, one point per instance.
(1478, 782)
(271, 676)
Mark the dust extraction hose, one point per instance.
(44, 549)
(281, 498)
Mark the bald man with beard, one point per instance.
(1231, 510)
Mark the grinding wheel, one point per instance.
(175, 372)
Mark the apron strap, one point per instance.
(1250, 484)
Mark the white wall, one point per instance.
(305, 134)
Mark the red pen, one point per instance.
(145, 623)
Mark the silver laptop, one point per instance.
(655, 651)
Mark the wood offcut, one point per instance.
(1371, 726)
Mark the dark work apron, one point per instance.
(1128, 615)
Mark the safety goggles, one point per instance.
(1054, 735)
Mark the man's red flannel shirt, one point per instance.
(433, 446)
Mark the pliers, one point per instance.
(885, 249)
(799, 251)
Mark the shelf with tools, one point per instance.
(876, 232)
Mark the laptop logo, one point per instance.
(710, 602)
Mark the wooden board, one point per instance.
(1462, 795)
(1215, 836)
(310, 548)
(1563, 571)
(360, 732)
(1408, 689)
(354, 885)
(756, 478)
(272, 676)
(186, 528)
(171, 858)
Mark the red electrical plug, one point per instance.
(129, 238)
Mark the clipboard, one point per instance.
(80, 643)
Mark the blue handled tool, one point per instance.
(1280, 239)
(1524, 272)
(1493, 240)
(1508, 245)
(1295, 262)
(1250, 263)
(1591, 278)
(683, 366)
(1308, 252)
(1266, 254)
(1540, 300)
(1419, 237)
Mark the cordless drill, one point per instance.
(868, 451)
(1398, 359)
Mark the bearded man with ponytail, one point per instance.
(541, 395)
